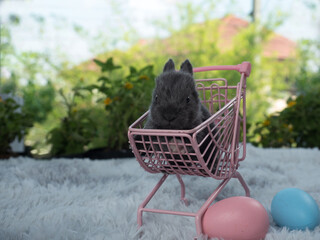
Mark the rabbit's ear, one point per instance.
(169, 66)
(186, 67)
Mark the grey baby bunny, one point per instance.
(176, 105)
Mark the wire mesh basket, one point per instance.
(215, 154)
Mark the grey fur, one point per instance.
(176, 105)
(175, 101)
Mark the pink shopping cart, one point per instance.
(178, 152)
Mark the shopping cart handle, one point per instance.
(244, 67)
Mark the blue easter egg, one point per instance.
(295, 209)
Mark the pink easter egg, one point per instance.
(236, 218)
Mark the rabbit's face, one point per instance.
(175, 103)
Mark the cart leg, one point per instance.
(206, 205)
(183, 190)
(148, 198)
(243, 183)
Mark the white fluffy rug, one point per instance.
(83, 199)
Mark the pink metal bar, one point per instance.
(244, 67)
(244, 125)
(203, 209)
(199, 214)
(147, 200)
(183, 190)
(236, 132)
(180, 213)
(243, 183)
(178, 151)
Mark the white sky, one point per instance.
(114, 18)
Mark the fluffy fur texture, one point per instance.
(175, 101)
(81, 199)
(176, 105)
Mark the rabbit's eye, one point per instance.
(156, 98)
(188, 99)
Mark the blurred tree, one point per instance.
(27, 75)
(190, 33)
(204, 44)
(308, 78)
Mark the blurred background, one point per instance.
(76, 74)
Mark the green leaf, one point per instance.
(99, 63)
(107, 66)
(103, 79)
(90, 87)
(133, 70)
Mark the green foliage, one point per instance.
(107, 66)
(296, 126)
(308, 80)
(14, 122)
(38, 100)
(118, 102)
(203, 44)
(28, 74)
(119, 95)
(124, 100)
(75, 131)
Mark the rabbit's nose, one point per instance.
(169, 116)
